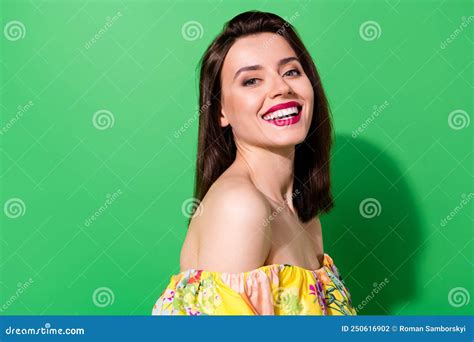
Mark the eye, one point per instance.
(249, 82)
(293, 71)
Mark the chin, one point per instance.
(287, 140)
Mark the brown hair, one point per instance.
(216, 147)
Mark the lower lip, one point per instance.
(286, 121)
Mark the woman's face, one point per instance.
(259, 72)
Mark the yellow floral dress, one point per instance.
(277, 289)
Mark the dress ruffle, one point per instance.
(277, 289)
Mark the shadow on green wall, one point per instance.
(374, 229)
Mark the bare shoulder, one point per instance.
(232, 227)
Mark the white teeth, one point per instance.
(280, 113)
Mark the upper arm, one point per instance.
(234, 234)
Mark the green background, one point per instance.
(413, 157)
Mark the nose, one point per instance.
(279, 87)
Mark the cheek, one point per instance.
(246, 103)
(307, 93)
(306, 90)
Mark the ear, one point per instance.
(223, 119)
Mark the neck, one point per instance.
(270, 170)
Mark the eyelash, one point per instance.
(245, 83)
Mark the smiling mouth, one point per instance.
(282, 113)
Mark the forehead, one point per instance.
(265, 49)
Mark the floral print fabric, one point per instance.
(278, 289)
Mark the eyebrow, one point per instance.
(259, 67)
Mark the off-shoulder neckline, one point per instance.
(327, 262)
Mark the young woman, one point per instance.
(254, 245)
